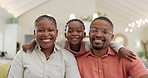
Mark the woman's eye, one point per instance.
(40, 30)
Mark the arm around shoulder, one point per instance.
(116, 46)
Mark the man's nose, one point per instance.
(99, 33)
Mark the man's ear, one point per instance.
(112, 36)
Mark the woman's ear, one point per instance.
(34, 32)
(65, 35)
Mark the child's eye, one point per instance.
(69, 31)
(79, 31)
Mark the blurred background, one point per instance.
(130, 19)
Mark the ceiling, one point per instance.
(123, 11)
(128, 14)
(18, 7)
(128, 9)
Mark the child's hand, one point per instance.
(126, 53)
(29, 46)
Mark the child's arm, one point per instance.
(122, 51)
(29, 46)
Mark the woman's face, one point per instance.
(45, 33)
(75, 32)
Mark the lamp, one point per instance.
(95, 15)
(72, 16)
(134, 26)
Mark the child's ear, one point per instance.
(84, 34)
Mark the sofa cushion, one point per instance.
(4, 70)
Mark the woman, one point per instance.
(47, 60)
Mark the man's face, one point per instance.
(45, 33)
(75, 33)
(100, 34)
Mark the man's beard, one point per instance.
(97, 48)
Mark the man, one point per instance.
(101, 61)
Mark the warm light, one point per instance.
(2, 6)
(126, 29)
(72, 16)
(137, 21)
(95, 15)
(134, 26)
(131, 30)
(146, 20)
(49, 14)
(143, 22)
(137, 43)
(129, 25)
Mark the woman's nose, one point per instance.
(46, 33)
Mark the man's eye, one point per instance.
(95, 30)
(50, 30)
(104, 31)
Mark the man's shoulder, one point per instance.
(83, 56)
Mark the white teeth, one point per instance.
(74, 39)
(46, 40)
(98, 41)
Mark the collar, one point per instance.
(109, 52)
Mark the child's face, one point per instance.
(75, 32)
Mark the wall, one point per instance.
(60, 9)
(4, 18)
(10, 39)
(1, 41)
(120, 23)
